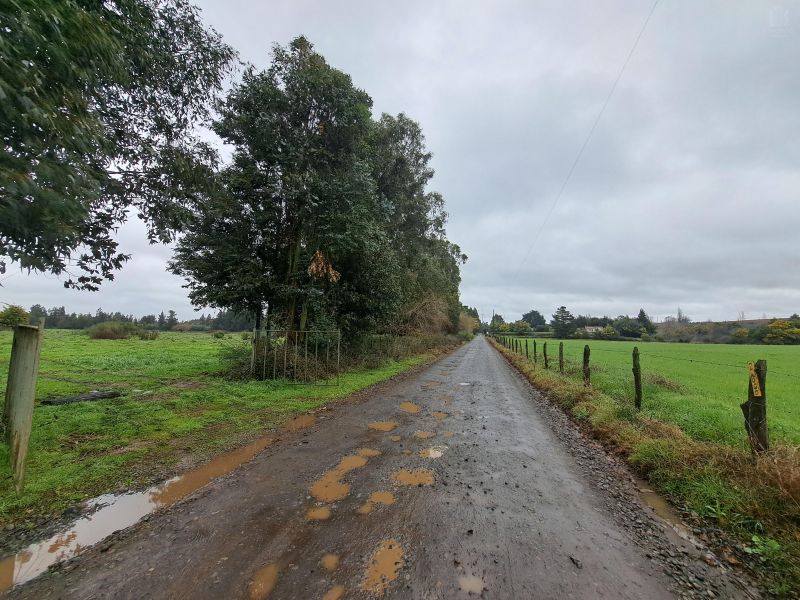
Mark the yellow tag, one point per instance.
(754, 380)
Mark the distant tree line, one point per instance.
(679, 328)
(58, 318)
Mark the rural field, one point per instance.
(696, 387)
(176, 410)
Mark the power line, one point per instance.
(589, 135)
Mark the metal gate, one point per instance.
(298, 357)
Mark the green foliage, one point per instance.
(147, 334)
(563, 323)
(100, 103)
(112, 330)
(323, 214)
(13, 315)
(218, 334)
(627, 327)
(535, 319)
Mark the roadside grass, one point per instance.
(706, 470)
(177, 410)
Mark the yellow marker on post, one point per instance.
(754, 379)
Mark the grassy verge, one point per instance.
(756, 503)
(177, 411)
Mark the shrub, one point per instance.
(218, 334)
(13, 315)
(147, 334)
(112, 330)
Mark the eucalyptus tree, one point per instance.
(99, 105)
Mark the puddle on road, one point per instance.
(410, 407)
(382, 497)
(330, 562)
(471, 584)
(335, 593)
(383, 568)
(298, 423)
(447, 434)
(413, 477)
(383, 425)
(263, 582)
(440, 416)
(424, 435)
(318, 513)
(395, 438)
(432, 452)
(330, 487)
(117, 512)
(663, 509)
(368, 452)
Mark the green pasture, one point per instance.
(697, 387)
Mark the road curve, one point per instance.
(448, 483)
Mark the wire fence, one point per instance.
(706, 402)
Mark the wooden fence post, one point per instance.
(755, 409)
(527, 353)
(637, 379)
(586, 374)
(561, 357)
(535, 358)
(23, 370)
(544, 354)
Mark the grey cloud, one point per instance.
(687, 194)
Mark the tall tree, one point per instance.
(535, 319)
(100, 103)
(563, 323)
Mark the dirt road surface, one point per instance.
(457, 481)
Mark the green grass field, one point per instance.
(681, 386)
(176, 411)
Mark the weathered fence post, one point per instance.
(637, 379)
(544, 354)
(586, 374)
(23, 370)
(527, 353)
(561, 357)
(535, 358)
(755, 409)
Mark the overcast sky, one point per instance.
(687, 194)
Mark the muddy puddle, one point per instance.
(410, 407)
(263, 581)
(664, 510)
(330, 562)
(318, 513)
(413, 477)
(395, 438)
(440, 416)
(432, 452)
(330, 487)
(298, 423)
(383, 425)
(110, 513)
(471, 584)
(383, 567)
(376, 498)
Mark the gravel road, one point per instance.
(456, 481)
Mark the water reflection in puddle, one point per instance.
(114, 513)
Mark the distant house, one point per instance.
(593, 328)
